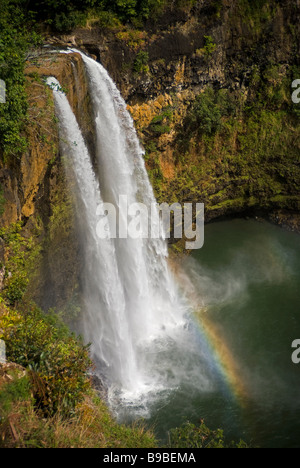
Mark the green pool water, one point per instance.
(247, 276)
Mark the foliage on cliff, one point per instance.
(21, 262)
(58, 362)
(90, 426)
(191, 436)
(248, 145)
(20, 23)
(46, 396)
(15, 40)
(232, 148)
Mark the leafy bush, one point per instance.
(19, 389)
(66, 22)
(161, 123)
(16, 288)
(130, 9)
(15, 40)
(151, 8)
(160, 129)
(126, 8)
(50, 9)
(64, 14)
(205, 115)
(58, 361)
(141, 62)
(22, 256)
(209, 46)
(135, 40)
(191, 436)
(91, 426)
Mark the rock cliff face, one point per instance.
(226, 45)
(36, 187)
(251, 50)
(28, 182)
(249, 162)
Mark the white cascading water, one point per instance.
(136, 320)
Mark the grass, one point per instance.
(91, 426)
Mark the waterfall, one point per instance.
(134, 316)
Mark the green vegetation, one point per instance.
(135, 40)
(209, 45)
(22, 257)
(191, 436)
(161, 123)
(235, 150)
(141, 63)
(58, 362)
(19, 21)
(206, 113)
(256, 14)
(46, 396)
(130, 10)
(18, 390)
(15, 40)
(208, 49)
(65, 15)
(90, 425)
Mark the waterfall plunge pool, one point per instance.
(246, 281)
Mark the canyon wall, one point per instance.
(209, 90)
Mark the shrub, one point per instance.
(18, 389)
(191, 436)
(141, 62)
(126, 9)
(135, 40)
(66, 22)
(57, 360)
(151, 8)
(16, 288)
(16, 37)
(91, 426)
(161, 123)
(160, 129)
(48, 9)
(209, 45)
(22, 261)
(205, 114)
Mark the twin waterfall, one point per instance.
(137, 322)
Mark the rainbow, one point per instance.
(228, 365)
